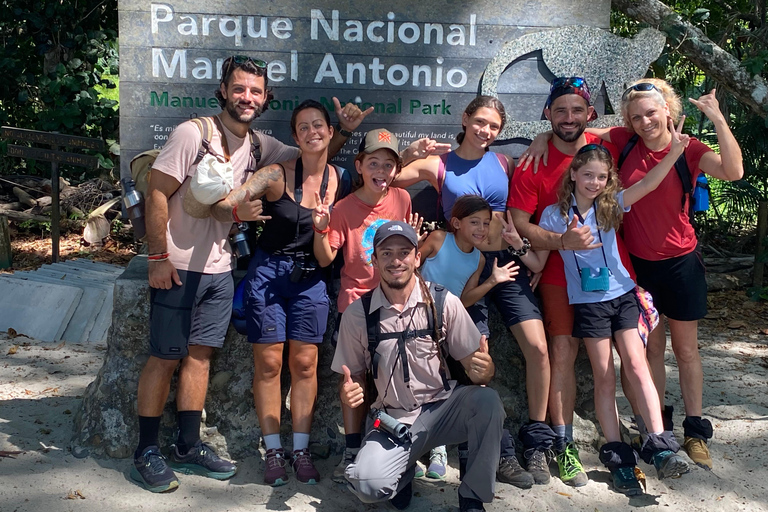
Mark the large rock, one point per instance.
(107, 424)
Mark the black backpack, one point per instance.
(373, 327)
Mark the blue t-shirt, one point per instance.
(484, 177)
(451, 267)
(619, 280)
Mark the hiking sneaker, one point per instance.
(201, 460)
(438, 459)
(470, 505)
(151, 472)
(340, 473)
(698, 451)
(304, 468)
(538, 465)
(419, 471)
(275, 473)
(669, 464)
(402, 499)
(571, 471)
(511, 472)
(625, 481)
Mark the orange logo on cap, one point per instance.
(385, 137)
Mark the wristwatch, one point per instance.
(342, 131)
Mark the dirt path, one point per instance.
(41, 385)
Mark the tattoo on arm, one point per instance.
(257, 186)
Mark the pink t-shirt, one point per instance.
(657, 227)
(201, 245)
(353, 224)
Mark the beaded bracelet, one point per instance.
(522, 251)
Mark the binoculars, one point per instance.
(239, 241)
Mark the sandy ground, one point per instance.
(41, 385)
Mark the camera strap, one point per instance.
(599, 236)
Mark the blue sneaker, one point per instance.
(151, 472)
(438, 459)
(202, 460)
(625, 481)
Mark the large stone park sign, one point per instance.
(417, 63)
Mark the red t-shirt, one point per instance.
(532, 193)
(657, 227)
(353, 224)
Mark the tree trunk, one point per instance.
(691, 42)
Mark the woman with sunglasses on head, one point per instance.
(473, 169)
(662, 241)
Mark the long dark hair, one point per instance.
(478, 103)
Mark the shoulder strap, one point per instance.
(438, 292)
(504, 163)
(440, 182)
(624, 152)
(438, 296)
(255, 151)
(344, 185)
(372, 328)
(681, 166)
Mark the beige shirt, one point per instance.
(201, 245)
(403, 401)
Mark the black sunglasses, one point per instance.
(593, 147)
(641, 87)
(239, 60)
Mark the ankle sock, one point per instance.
(353, 440)
(189, 430)
(300, 441)
(272, 442)
(149, 430)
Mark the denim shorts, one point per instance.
(195, 313)
(277, 309)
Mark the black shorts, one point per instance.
(195, 313)
(514, 299)
(678, 285)
(602, 319)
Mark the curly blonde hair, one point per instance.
(668, 96)
(609, 213)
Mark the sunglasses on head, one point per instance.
(641, 87)
(239, 60)
(593, 147)
(567, 81)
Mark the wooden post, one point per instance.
(6, 258)
(55, 212)
(760, 251)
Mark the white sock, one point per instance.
(272, 441)
(300, 441)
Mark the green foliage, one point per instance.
(58, 64)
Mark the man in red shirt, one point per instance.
(568, 109)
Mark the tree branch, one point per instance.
(751, 90)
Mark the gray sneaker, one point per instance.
(511, 472)
(340, 472)
(151, 471)
(538, 465)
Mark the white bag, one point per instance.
(212, 180)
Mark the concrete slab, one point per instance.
(91, 303)
(93, 265)
(79, 271)
(39, 310)
(104, 316)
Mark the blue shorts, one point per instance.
(195, 313)
(276, 309)
(514, 299)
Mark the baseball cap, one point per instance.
(380, 138)
(570, 85)
(395, 228)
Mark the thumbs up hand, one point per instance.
(481, 367)
(578, 238)
(351, 392)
